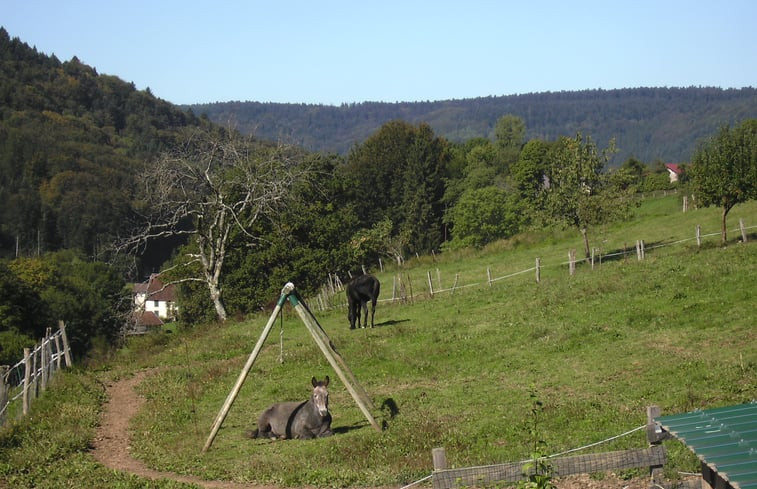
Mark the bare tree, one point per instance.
(210, 185)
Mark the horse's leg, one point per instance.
(365, 313)
(373, 311)
(351, 314)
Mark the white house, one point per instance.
(154, 303)
(674, 171)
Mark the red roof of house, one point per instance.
(148, 318)
(155, 290)
(674, 167)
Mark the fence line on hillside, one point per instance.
(27, 379)
(653, 458)
(402, 286)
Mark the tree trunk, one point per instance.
(723, 228)
(587, 252)
(215, 295)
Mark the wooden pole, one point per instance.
(4, 393)
(35, 382)
(289, 287)
(331, 355)
(28, 366)
(489, 276)
(43, 357)
(430, 285)
(57, 352)
(538, 270)
(439, 456)
(743, 230)
(314, 327)
(699, 236)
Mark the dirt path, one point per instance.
(112, 447)
(112, 443)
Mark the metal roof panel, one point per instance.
(724, 438)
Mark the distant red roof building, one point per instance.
(674, 171)
(154, 303)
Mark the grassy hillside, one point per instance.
(463, 369)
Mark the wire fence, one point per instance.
(331, 294)
(27, 379)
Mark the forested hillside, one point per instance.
(647, 123)
(71, 141)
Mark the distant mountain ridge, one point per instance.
(647, 123)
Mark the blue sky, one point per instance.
(334, 52)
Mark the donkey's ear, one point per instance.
(314, 382)
(326, 382)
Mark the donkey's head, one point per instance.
(320, 395)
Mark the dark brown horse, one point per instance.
(303, 420)
(361, 290)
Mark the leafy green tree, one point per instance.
(580, 194)
(399, 173)
(301, 245)
(529, 175)
(510, 135)
(483, 215)
(20, 311)
(724, 169)
(89, 296)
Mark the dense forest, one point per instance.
(647, 123)
(103, 184)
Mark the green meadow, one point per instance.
(462, 369)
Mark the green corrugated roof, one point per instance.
(723, 438)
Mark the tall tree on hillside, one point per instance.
(211, 185)
(529, 175)
(724, 169)
(398, 174)
(509, 134)
(580, 194)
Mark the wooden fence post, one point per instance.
(489, 276)
(43, 362)
(699, 236)
(430, 285)
(439, 456)
(743, 230)
(655, 436)
(538, 270)
(685, 203)
(457, 275)
(3, 393)
(58, 352)
(572, 262)
(639, 249)
(28, 366)
(66, 348)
